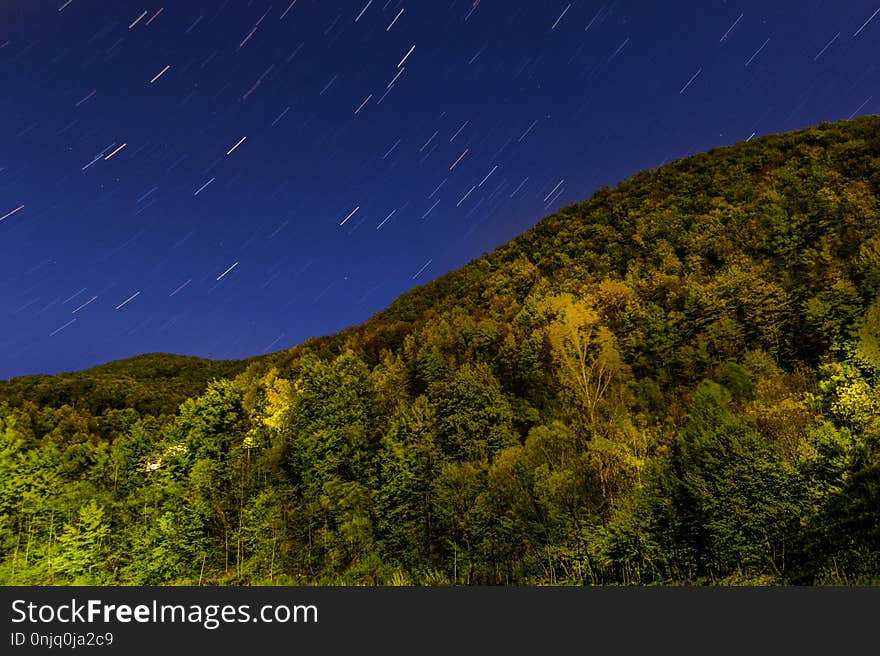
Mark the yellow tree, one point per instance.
(593, 378)
(589, 365)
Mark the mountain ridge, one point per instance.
(675, 381)
(423, 297)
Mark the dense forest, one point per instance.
(673, 382)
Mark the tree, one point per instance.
(410, 463)
(727, 502)
(589, 365)
(84, 546)
(473, 417)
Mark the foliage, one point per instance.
(674, 382)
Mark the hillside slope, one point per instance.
(675, 381)
(778, 208)
(747, 203)
(153, 383)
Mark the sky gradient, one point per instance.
(226, 178)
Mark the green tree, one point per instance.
(84, 546)
(727, 506)
(473, 417)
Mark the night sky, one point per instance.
(226, 178)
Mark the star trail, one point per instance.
(201, 177)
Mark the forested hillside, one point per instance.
(672, 382)
(154, 383)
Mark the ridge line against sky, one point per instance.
(224, 179)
